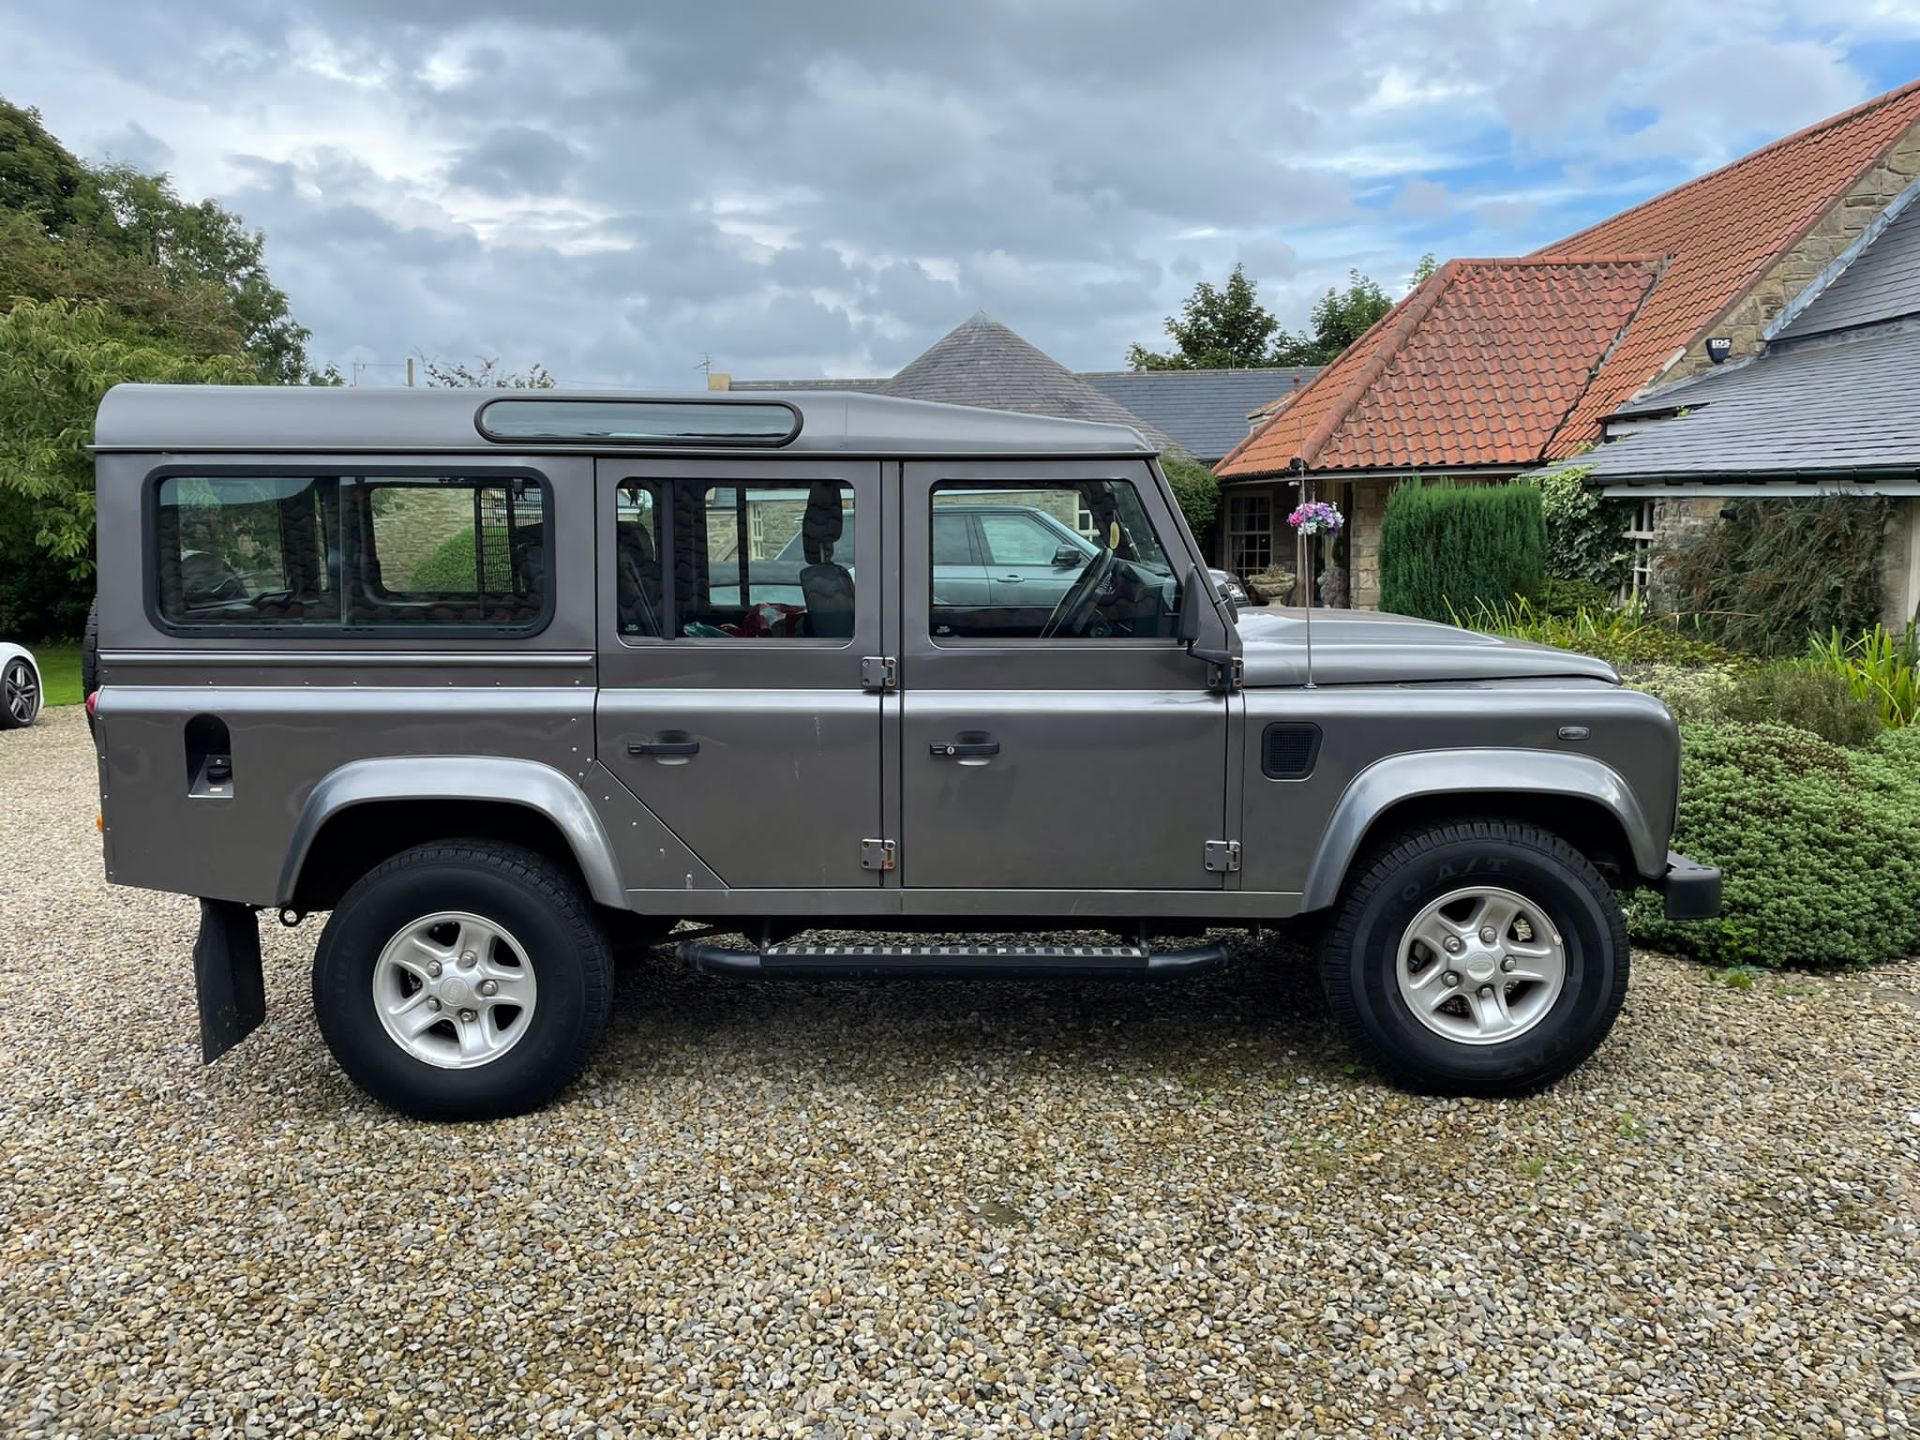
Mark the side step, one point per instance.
(948, 961)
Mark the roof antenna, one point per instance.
(1300, 562)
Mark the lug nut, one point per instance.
(433, 969)
(1508, 963)
(1486, 992)
(489, 987)
(433, 1005)
(468, 959)
(1454, 944)
(1488, 934)
(469, 1016)
(1450, 979)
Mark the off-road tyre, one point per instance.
(544, 907)
(1391, 885)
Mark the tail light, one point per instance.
(93, 703)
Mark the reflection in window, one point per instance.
(1012, 562)
(748, 560)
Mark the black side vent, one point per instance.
(1287, 752)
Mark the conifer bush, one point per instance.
(1446, 549)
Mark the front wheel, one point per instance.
(463, 981)
(19, 694)
(1481, 958)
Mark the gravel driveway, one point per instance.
(826, 1209)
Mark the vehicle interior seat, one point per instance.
(637, 580)
(826, 586)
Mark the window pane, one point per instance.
(1066, 562)
(446, 551)
(639, 421)
(248, 550)
(952, 541)
(751, 560)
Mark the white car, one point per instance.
(20, 690)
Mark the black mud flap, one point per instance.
(226, 973)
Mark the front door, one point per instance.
(1065, 745)
(737, 599)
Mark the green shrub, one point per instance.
(1878, 668)
(1772, 572)
(1564, 599)
(1447, 548)
(1802, 696)
(1194, 489)
(448, 570)
(1694, 693)
(1819, 845)
(1586, 535)
(1623, 637)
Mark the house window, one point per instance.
(1249, 534)
(1640, 541)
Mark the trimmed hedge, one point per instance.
(449, 569)
(1820, 847)
(1445, 549)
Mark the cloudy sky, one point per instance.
(620, 190)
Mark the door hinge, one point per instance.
(1230, 675)
(876, 855)
(879, 672)
(1223, 856)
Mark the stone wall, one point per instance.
(1676, 523)
(1747, 321)
(1363, 542)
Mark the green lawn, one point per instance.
(59, 673)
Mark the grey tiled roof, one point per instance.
(1205, 411)
(1824, 407)
(1882, 283)
(984, 363)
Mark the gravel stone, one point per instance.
(840, 1210)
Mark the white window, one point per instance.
(1249, 533)
(1640, 540)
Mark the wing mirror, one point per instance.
(1067, 557)
(1191, 591)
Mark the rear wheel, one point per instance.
(1481, 958)
(19, 694)
(463, 981)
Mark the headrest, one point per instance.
(825, 522)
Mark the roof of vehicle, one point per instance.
(199, 418)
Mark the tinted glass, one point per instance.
(351, 550)
(1120, 588)
(952, 540)
(639, 421)
(750, 560)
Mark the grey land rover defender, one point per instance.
(507, 681)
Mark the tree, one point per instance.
(57, 361)
(1215, 329)
(1195, 490)
(486, 375)
(40, 177)
(1341, 317)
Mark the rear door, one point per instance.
(1090, 760)
(1023, 555)
(731, 700)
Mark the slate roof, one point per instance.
(1882, 283)
(1479, 366)
(1716, 235)
(983, 363)
(1822, 408)
(1205, 411)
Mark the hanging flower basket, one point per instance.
(1317, 517)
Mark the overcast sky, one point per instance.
(800, 189)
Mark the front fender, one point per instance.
(1419, 774)
(526, 783)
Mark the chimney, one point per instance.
(719, 380)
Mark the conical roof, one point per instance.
(985, 364)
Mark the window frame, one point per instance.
(1641, 536)
(670, 607)
(336, 629)
(1236, 532)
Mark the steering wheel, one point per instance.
(1077, 604)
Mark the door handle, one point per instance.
(963, 749)
(665, 747)
(1010, 579)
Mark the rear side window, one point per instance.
(735, 560)
(352, 551)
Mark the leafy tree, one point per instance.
(57, 361)
(1215, 329)
(40, 177)
(1194, 488)
(486, 375)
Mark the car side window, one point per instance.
(1082, 558)
(734, 560)
(952, 540)
(376, 552)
